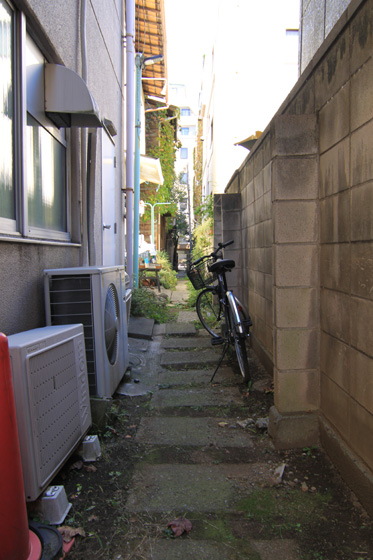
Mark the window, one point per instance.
(7, 186)
(184, 131)
(184, 178)
(185, 112)
(33, 186)
(184, 153)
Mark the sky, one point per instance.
(190, 25)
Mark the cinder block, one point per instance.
(361, 373)
(362, 325)
(267, 177)
(333, 72)
(295, 178)
(295, 265)
(362, 95)
(290, 431)
(361, 36)
(361, 212)
(335, 169)
(335, 218)
(259, 185)
(231, 220)
(268, 233)
(294, 135)
(335, 406)
(296, 349)
(295, 222)
(335, 361)
(334, 119)
(335, 266)
(335, 314)
(230, 202)
(296, 307)
(297, 391)
(362, 154)
(362, 266)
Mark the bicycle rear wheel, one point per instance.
(239, 340)
(210, 311)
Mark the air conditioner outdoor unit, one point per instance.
(93, 296)
(52, 400)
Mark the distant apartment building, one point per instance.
(250, 69)
(186, 135)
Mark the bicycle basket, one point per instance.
(199, 274)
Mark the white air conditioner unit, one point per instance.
(93, 296)
(52, 400)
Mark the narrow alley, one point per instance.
(183, 456)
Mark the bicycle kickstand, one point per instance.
(226, 345)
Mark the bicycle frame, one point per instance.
(227, 298)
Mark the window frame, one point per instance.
(19, 227)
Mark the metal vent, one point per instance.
(71, 302)
(54, 406)
(111, 324)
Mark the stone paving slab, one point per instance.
(188, 549)
(220, 432)
(182, 377)
(187, 316)
(197, 397)
(191, 358)
(278, 549)
(140, 327)
(195, 376)
(180, 329)
(202, 488)
(180, 343)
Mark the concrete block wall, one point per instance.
(308, 252)
(227, 226)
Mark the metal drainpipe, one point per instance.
(83, 140)
(139, 62)
(130, 129)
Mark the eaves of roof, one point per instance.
(150, 40)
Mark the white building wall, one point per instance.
(249, 71)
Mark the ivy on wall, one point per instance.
(161, 144)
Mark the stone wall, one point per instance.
(307, 231)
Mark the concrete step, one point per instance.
(196, 397)
(191, 359)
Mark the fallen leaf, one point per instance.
(76, 466)
(93, 518)
(68, 533)
(223, 424)
(304, 487)
(128, 436)
(90, 468)
(179, 526)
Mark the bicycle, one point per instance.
(220, 312)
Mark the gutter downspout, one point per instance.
(83, 139)
(130, 124)
(139, 62)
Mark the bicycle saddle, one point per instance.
(222, 264)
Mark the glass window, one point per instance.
(184, 178)
(45, 179)
(35, 178)
(184, 130)
(184, 153)
(185, 112)
(7, 183)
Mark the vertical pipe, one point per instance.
(130, 128)
(139, 60)
(83, 140)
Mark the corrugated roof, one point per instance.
(150, 40)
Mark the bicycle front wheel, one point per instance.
(210, 311)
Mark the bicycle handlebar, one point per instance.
(215, 253)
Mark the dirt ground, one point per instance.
(333, 526)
